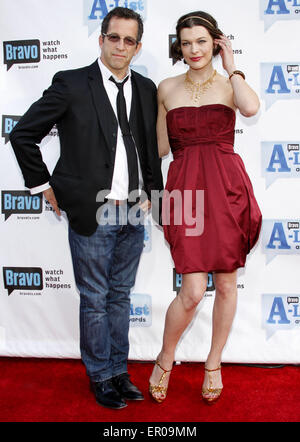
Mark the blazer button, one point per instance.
(114, 134)
(107, 165)
(113, 148)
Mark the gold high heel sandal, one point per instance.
(159, 388)
(215, 391)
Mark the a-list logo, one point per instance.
(8, 123)
(21, 51)
(280, 312)
(279, 81)
(140, 69)
(280, 237)
(140, 310)
(94, 11)
(147, 238)
(22, 278)
(274, 10)
(280, 159)
(20, 202)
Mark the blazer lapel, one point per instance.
(135, 118)
(145, 97)
(105, 113)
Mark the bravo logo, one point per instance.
(280, 81)
(280, 237)
(95, 10)
(8, 123)
(177, 282)
(280, 159)
(140, 310)
(280, 312)
(172, 38)
(20, 202)
(21, 51)
(22, 278)
(273, 10)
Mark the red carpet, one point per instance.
(57, 390)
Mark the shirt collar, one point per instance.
(106, 73)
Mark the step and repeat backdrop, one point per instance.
(39, 302)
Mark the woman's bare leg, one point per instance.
(179, 314)
(223, 314)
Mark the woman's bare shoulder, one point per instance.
(225, 91)
(222, 78)
(169, 83)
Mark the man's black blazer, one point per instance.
(78, 103)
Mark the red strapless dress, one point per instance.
(201, 140)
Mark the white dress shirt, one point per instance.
(119, 187)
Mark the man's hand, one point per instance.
(50, 197)
(145, 206)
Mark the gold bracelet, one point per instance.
(237, 73)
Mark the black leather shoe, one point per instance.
(126, 388)
(106, 395)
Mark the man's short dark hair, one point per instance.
(123, 13)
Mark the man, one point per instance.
(91, 106)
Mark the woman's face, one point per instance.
(197, 46)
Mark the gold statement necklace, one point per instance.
(195, 88)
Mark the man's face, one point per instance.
(116, 56)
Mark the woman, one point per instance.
(197, 118)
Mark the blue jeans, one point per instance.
(105, 266)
